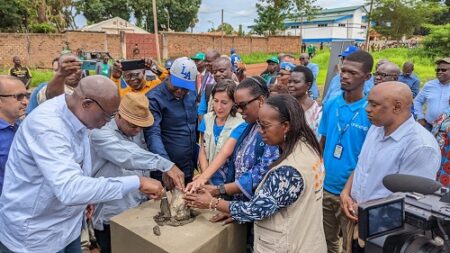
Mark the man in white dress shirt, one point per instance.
(395, 143)
(47, 179)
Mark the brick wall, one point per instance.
(182, 44)
(146, 43)
(38, 50)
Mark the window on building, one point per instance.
(322, 25)
(363, 27)
(294, 27)
(341, 25)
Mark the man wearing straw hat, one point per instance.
(119, 149)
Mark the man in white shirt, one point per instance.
(47, 178)
(119, 149)
(395, 143)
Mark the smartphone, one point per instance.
(88, 65)
(132, 64)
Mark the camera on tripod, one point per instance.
(415, 218)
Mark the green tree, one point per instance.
(37, 15)
(13, 15)
(227, 29)
(304, 9)
(100, 10)
(271, 16)
(395, 18)
(437, 43)
(179, 14)
(241, 30)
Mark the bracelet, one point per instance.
(217, 203)
(210, 204)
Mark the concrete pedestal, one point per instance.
(132, 232)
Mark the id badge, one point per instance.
(338, 151)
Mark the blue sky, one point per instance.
(236, 12)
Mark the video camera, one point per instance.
(416, 220)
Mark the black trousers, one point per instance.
(104, 239)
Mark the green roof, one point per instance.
(341, 9)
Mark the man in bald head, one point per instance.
(386, 71)
(48, 179)
(395, 143)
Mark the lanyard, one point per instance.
(347, 126)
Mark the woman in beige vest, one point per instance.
(287, 205)
(220, 130)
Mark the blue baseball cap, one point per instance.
(287, 66)
(348, 51)
(183, 73)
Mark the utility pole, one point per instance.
(368, 25)
(221, 34)
(155, 23)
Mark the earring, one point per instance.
(284, 137)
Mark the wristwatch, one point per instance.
(222, 189)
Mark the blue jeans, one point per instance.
(73, 247)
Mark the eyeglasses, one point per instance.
(383, 75)
(441, 70)
(108, 116)
(243, 105)
(19, 97)
(132, 75)
(265, 127)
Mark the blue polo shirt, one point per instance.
(337, 114)
(7, 133)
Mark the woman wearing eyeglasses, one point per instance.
(287, 205)
(251, 155)
(220, 131)
(299, 84)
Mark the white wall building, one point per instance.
(113, 26)
(346, 23)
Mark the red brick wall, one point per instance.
(38, 50)
(182, 44)
(146, 43)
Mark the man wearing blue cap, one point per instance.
(235, 59)
(334, 88)
(173, 134)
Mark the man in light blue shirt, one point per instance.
(434, 95)
(48, 174)
(304, 61)
(408, 77)
(334, 87)
(395, 143)
(119, 149)
(343, 127)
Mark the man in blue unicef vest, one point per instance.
(173, 105)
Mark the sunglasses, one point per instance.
(265, 127)
(132, 75)
(19, 97)
(243, 105)
(383, 75)
(108, 116)
(441, 70)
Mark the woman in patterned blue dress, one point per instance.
(251, 155)
(293, 185)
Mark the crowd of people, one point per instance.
(266, 151)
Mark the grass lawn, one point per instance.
(424, 66)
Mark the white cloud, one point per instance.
(242, 13)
